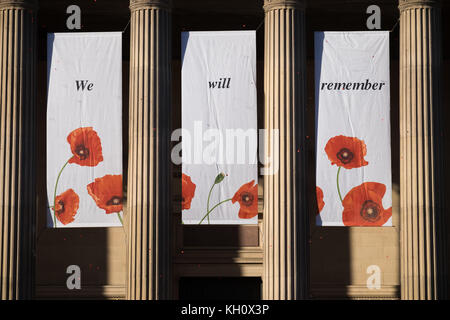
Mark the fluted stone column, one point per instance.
(421, 193)
(285, 216)
(148, 205)
(17, 125)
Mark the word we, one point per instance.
(84, 84)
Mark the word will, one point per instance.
(223, 83)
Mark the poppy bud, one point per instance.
(219, 178)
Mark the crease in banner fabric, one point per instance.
(219, 128)
(353, 142)
(84, 130)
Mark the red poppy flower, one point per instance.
(247, 196)
(107, 193)
(66, 206)
(347, 152)
(85, 146)
(363, 206)
(320, 203)
(187, 191)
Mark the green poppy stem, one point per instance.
(207, 214)
(209, 196)
(54, 195)
(337, 183)
(120, 218)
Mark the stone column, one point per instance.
(148, 199)
(421, 194)
(285, 215)
(17, 125)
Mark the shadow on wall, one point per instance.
(100, 253)
(220, 288)
(205, 257)
(341, 256)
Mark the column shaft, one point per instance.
(285, 215)
(17, 125)
(422, 238)
(148, 206)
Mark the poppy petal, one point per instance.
(187, 191)
(247, 196)
(363, 206)
(86, 147)
(66, 206)
(107, 193)
(320, 203)
(347, 152)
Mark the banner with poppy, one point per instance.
(219, 128)
(353, 143)
(84, 130)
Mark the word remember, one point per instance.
(352, 85)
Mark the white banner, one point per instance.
(219, 128)
(353, 165)
(84, 129)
